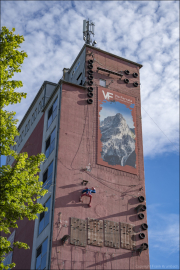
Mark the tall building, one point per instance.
(89, 127)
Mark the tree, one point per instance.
(19, 185)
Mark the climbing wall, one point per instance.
(111, 234)
(78, 232)
(127, 236)
(95, 232)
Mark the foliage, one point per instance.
(19, 186)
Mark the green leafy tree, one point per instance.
(19, 184)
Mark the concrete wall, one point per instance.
(117, 191)
(77, 68)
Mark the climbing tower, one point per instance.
(89, 126)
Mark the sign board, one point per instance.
(117, 142)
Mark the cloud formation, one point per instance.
(163, 230)
(142, 31)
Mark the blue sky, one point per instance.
(112, 108)
(146, 32)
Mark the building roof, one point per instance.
(105, 52)
(34, 101)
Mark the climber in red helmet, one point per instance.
(87, 192)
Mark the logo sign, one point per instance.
(107, 95)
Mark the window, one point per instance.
(47, 176)
(52, 113)
(102, 83)
(20, 140)
(35, 114)
(8, 258)
(27, 127)
(42, 103)
(44, 217)
(50, 144)
(32, 119)
(40, 106)
(41, 255)
(15, 147)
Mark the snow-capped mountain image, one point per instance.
(118, 141)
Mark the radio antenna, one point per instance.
(88, 30)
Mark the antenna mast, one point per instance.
(88, 30)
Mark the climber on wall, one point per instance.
(87, 192)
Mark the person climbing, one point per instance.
(87, 192)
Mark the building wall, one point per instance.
(31, 140)
(46, 233)
(117, 191)
(25, 231)
(32, 117)
(76, 69)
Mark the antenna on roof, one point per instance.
(88, 30)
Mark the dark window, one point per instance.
(47, 176)
(79, 76)
(41, 255)
(52, 113)
(50, 144)
(44, 217)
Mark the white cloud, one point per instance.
(142, 31)
(163, 230)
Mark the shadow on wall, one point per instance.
(120, 257)
(70, 200)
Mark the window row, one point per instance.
(50, 143)
(41, 255)
(27, 127)
(47, 176)
(44, 217)
(8, 257)
(37, 110)
(52, 113)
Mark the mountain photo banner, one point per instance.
(117, 133)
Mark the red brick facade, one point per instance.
(117, 191)
(25, 231)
